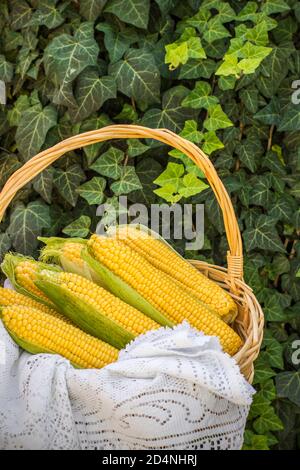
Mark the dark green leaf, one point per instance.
(34, 124)
(43, 184)
(135, 12)
(288, 386)
(109, 163)
(91, 92)
(67, 182)
(137, 76)
(128, 182)
(93, 190)
(26, 223)
(67, 56)
(91, 9)
(117, 42)
(268, 421)
(5, 244)
(147, 171)
(263, 236)
(79, 227)
(172, 115)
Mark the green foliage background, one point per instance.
(221, 74)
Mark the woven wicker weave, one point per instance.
(249, 323)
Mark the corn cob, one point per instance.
(9, 297)
(55, 251)
(157, 288)
(161, 255)
(93, 308)
(22, 272)
(67, 253)
(40, 332)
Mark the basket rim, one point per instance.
(251, 325)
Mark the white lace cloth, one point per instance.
(170, 389)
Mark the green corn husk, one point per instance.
(84, 315)
(9, 265)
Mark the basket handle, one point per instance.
(45, 158)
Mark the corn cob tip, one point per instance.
(22, 271)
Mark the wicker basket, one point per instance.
(250, 321)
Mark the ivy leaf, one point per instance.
(26, 224)
(5, 244)
(171, 175)
(92, 151)
(229, 66)
(8, 165)
(259, 405)
(211, 142)
(109, 163)
(93, 190)
(128, 113)
(6, 70)
(43, 184)
(135, 12)
(67, 182)
(215, 30)
(79, 227)
(270, 114)
(14, 115)
(34, 124)
(263, 371)
(290, 120)
(263, 236)
(20, 14)
(274, 352)
(66, 56)
(268, 421)
(249, 97)
(91, 9)
(250, 151)
(252, 57)
(147, 171)
(258, 34)
(91, 92)
(117, 42)
(190, 131)
(199, 97)
(47, 14)
(191, 185)
(288, 386)
(197, 69)
(267, 389)
(260, 194)
(136, 147)
(169, 193)
(128, 182)
(274, 6)
(137, 76)
(177, 54)
(225, 12)
(217, 119)
(172, 115)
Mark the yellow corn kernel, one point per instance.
(106, 303)
(72, 252)
(37, 331)
(161, 290)
(25, 273)
(11, 297)
(163, 257)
